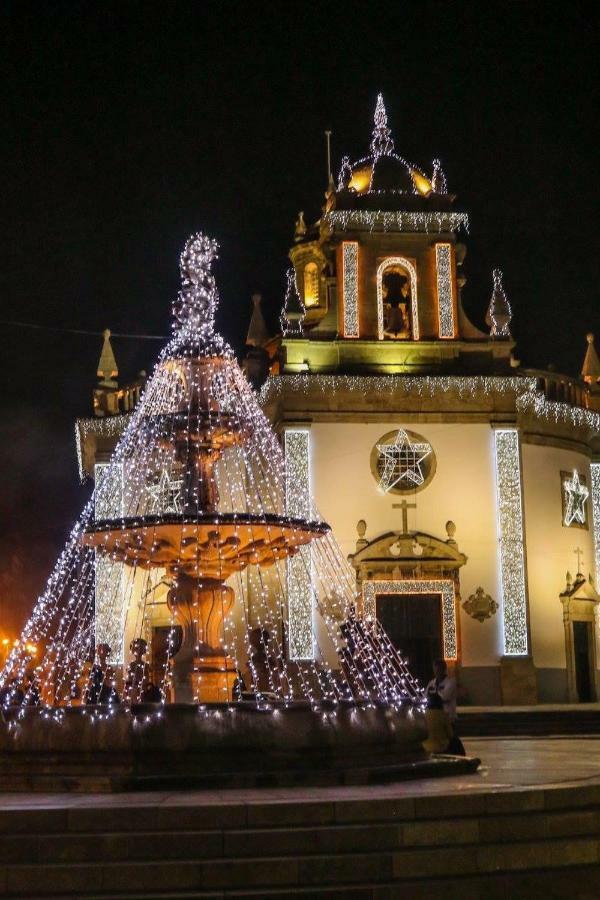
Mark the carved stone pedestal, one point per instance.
(518, 683)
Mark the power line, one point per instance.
(117, 334)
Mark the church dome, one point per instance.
(383, 171)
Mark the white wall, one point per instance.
(550, 546)
(463, 490)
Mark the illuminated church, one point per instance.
(464, 489)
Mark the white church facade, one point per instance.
(462, 488)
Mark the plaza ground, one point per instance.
(526, 825)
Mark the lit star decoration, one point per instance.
(577, 494)
(402, 462)
(166, 495)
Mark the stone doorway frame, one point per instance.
(581, 603)
(444, 587)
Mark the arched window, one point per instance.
(397, 300)
(311, 285)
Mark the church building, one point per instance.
(463, 488)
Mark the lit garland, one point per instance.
(443, 267)
(557, 412)
(412, 272)
(234, 507)
(438, 179)
(108, 426)
(442, 586)
(595, 477)
(511, 540)
(374, 220)
(350, 288)
(426, 386)
(300, 595)
(382, 142)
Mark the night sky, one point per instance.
(128, 126)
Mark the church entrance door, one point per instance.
(582, 645)
(413, 623)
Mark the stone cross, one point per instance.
(404, 506)
(578, 553)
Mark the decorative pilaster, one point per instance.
(298, 504)
(511, 538)
(445, 292)
(350, 289)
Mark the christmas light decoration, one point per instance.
(402, 462)
(499, 313)
(425, 386)
(301, 599)
(293, 310)
(595, 477)
(438, 179)
(382, 143)
(442, 586)
(375, 220)
(412, 272)
(576, 496)
(443, 268)
(199, 500)
(511, 540)
(350, 288)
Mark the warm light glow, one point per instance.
(422, 184)
(412, 273)
(361, 179)
(311, 284)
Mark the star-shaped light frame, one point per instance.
(402, 462)
(576, 494)
(166, 494)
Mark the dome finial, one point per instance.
(107, 364)
(499, 313)
(590, 371)
(382, 143)
(194, 309)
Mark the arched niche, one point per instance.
(403, 267)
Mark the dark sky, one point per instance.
(130, 125)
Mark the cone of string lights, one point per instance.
(199, 528)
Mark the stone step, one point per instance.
(111, 817)
(402, 865)
(529, 722)
(260, 842)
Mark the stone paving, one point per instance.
(508, 764)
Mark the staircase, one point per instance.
(529, 721)
(530, 843)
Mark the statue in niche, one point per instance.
(396, 304)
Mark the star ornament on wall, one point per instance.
(577, 494)
(402, 462)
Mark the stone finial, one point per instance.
(450, 531)
(438, 179)
(569, 581)
(107, 366)
(499, 313)
(257, 330)
(300, 227)
(361, 528)
(590, 371)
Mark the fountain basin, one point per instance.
(189, 746)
